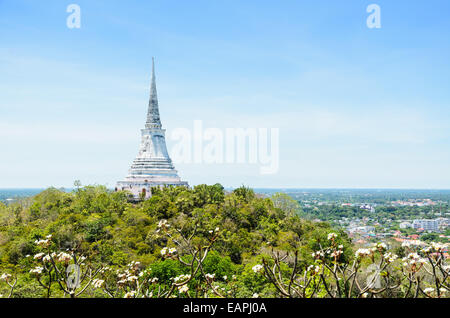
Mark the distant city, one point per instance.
(370, 215)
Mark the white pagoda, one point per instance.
(152, 166)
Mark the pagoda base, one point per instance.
(143, 188)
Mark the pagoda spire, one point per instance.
(153, 120)
(152, 167)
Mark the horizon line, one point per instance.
(259, 188)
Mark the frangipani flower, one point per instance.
(167, 252)
(414, 261)
(313, 269)
(318, 254)
(181, 278)
(183, 289)
(132, 278)
(43, 243)
(5, 277)
(332, 236)
(210, 276)
(98, 283)
(258, 268)
(428, 291)
(163, 224)
(37, 271)
(362, 252)
(46, 258)
(336, 254)
(39, 256)
(130, 294)
(380, 246)
(389, 257)
(438, 247)
(64, 257)
(406, 244)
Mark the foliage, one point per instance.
(182, 242)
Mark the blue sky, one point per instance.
(355, 107)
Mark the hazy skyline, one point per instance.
(355, 107)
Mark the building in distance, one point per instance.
(152, 167)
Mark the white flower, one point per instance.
(43, 243)
(163, 224)
(413, 256)
(97, 283)
(46, 258)
(39, 255)
(210, 276)
(332, 236)
(255, 295)
(406, 244)
(362, 252)
(380, 246)
(5, 277)
(182, 278)
(413, 259)
(313, 269)
(38, 270)
(336, 254)
(225, 277)
(428, 290)
(154, 280)
(134, 264)
(168, 251)
(318, 254)
(132, 278)
(172, 250)
(183, 289)
(438, 247)
(422, 260)
(389, 257)
(365, 295)
(130, 294)
(64, 257)
(217, 229)
(258, 268)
